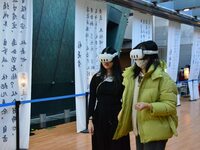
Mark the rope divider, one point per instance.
(7, 104)
(187, 81)
(43, 99)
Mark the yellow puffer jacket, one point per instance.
(161, 121)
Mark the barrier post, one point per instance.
(86, 112)
(86, 109)
(17, 104)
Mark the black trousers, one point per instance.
(155, 145)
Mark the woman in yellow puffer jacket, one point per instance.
(149, 100)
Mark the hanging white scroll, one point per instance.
(15, 60)
(142, 28)
(90, 40)
(173, 50)
(195, 66)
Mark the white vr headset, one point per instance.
(107, 57)
(139, 53)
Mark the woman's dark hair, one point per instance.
(152, 59)
(116, 68)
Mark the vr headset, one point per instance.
(139, 53)
(107, 57)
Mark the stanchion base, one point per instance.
(31, 134)
(192, 100)
(85, 131)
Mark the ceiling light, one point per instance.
(187, 9)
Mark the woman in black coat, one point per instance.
(105, 103)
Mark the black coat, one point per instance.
(104, 106)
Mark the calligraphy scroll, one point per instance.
(173, 48)
(15, 59)
(90, 40)
(142, 28)
(195, 65)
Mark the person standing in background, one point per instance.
(105, 103)
(149, 100)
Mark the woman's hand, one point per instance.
(90, 127)
(141, 105)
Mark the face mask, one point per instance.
(141, 63)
